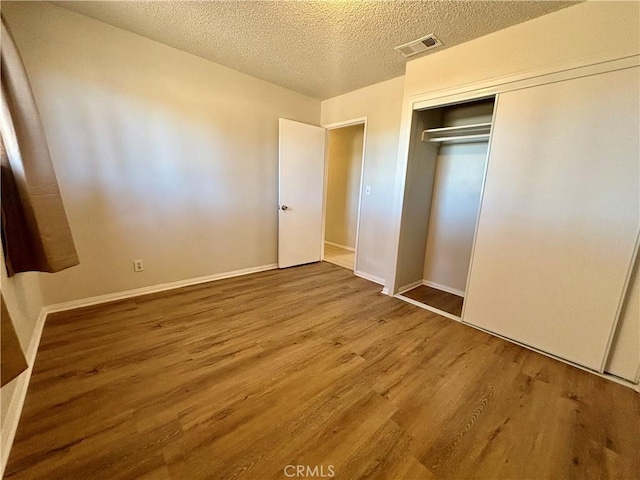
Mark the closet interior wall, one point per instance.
(455, 200)
(416, 205)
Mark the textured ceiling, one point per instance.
(317, 48)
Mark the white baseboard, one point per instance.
(20, 394)
(427, 283)
(409, 286)
(444, 288)
(621, 381)
(428, 307)
(112, 297)
(344, 247)
(368, 276)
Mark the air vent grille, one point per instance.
(430, 42)
(418, 46)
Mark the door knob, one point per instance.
(284, 207)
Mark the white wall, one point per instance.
(576, 34)
(344, 158)
(381, 104)
(456, 200)
(454, 212)
(417, 198)
(160, 155)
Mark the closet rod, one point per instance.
(458, 138)
(458, 133)
(481, 127)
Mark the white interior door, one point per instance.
(559, 217)
(301, 188)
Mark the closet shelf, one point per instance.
(464, 133)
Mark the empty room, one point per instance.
(320, 239)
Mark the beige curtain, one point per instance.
(35, 231)
(12, 361)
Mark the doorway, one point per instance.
(343, 192)
(443, 191)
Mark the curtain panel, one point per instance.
(12, 361)
(35, 230)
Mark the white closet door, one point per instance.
(560, 215)
(624, 357)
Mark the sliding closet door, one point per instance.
(559, 217)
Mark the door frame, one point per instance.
(335, 126)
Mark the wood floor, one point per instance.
(339, 256)
(308, 366)
(447, 302)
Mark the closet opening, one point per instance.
(343, 191)
(443, 187)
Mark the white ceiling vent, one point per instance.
(418, 46)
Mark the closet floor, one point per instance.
(447, 302)
(339, 256)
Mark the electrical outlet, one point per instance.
(138, 266)
(367, 190)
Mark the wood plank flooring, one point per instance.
(447, 302)
(310, 366)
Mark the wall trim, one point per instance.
(444, 288)
(368, 276)
(16, 403)
(424, 306)
(346, 123)
(344, 247)
(161, 287)
(525, 79)
(409, 286)
(333, 126)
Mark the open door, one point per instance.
(300, 194)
